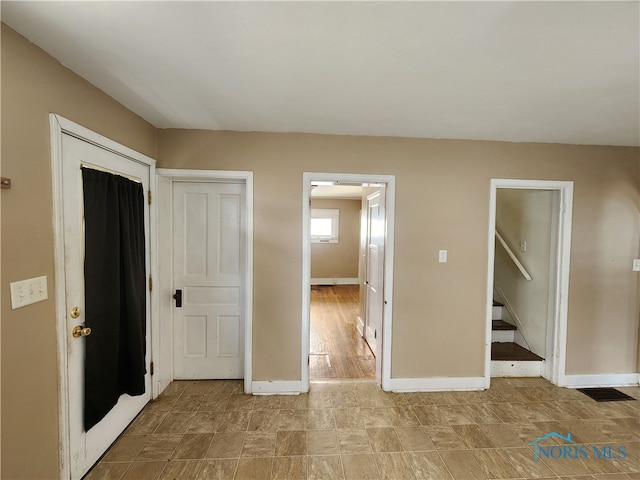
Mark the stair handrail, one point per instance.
(513, 257)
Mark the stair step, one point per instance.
(512, 351)
(501, 336)
(515, 368)
(496, 311)
(502, 325)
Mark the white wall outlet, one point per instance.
(442, 256)
(636, 264)
(26, 292)
(523, 246)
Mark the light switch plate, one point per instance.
(26, 292)
(636, 264)
(442, 256)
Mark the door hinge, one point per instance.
(149, 196)
(151, 369)
(150, 283)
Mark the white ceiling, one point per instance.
(563, 72)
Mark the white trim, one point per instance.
(360, 326)
(335, 281)
(602, 380)
(78, 131)
(58, 126)
(59, 295)
(186, 175)
(390, 199)
(164, 206)
(177, 175)
(436, 384)
(512, 368)
(277, 387)
(554, 369)
(153, 272)
(390, 207)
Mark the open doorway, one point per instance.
(529, 247)
(337, 347)
(347, 276)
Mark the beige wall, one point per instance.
(442, 202)
(338, 260)
(34, 84)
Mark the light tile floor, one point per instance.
(353, 430)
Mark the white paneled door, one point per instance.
(87, 447)
(375, 274)
(209, 225)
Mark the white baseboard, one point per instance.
(602, 380)
(513, 368)
(360, 326)
(277, 387)
(335, 281)
(436, 384)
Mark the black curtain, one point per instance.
(115, 291)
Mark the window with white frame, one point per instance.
(325, 225)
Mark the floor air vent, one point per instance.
(605, 394)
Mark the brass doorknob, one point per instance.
(79, 331)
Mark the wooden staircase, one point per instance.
(508, 358)
(501, 331)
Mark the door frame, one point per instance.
(58, 126)
(554, 368)
(387, 313)
(165, 178)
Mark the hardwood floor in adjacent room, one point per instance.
(336, 349)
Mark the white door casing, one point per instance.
(209, 226)
(164, 291)
(555, 362)
(79, 449)
(374, 302)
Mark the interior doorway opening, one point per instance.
(529, 249)
(337, 345)
(523, 280)
(346, 329)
